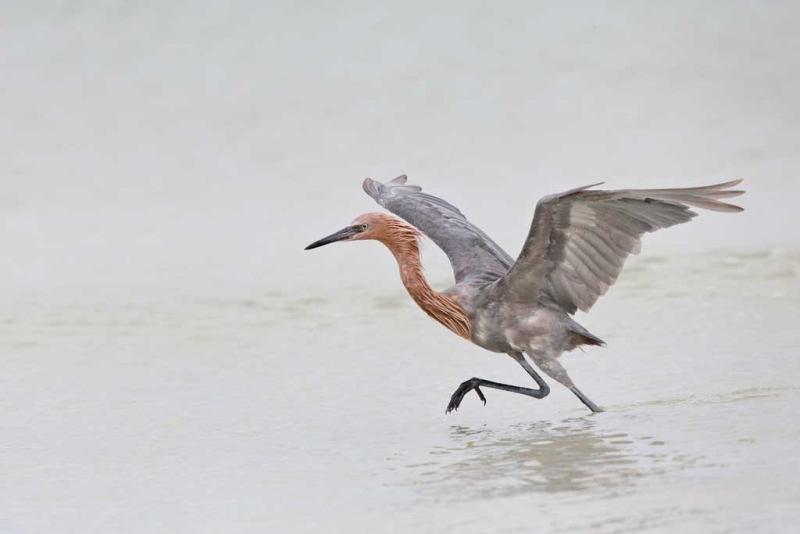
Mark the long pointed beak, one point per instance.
(344, 233)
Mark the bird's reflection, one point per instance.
(541, 457)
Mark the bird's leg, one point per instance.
(586, 400)
(476, 383)
(553, 368)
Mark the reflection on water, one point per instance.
(569, 456)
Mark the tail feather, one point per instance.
(587, 339)
(580, 336)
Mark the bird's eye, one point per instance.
(364, 227)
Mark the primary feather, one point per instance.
(579, 240)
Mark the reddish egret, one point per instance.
(574, 252)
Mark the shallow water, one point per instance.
(210, 412)
(173, 361)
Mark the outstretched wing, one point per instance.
(473, 255)
(580, 239)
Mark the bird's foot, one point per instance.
(461, 392)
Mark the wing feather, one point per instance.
(580, 239)
(473, 255)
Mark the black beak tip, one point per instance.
(341, 235)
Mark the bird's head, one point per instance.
(377, 226)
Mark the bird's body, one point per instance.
(574, 252)
(501, 326)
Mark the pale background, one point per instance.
(174, 362)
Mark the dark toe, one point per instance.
(480, 394)
(461, 392)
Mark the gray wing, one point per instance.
(473, 255)
(580, 239)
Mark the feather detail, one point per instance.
(403, 240)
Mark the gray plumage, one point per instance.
(580, 239)
(473, 255)
(575, 250)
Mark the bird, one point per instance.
(575, 249)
